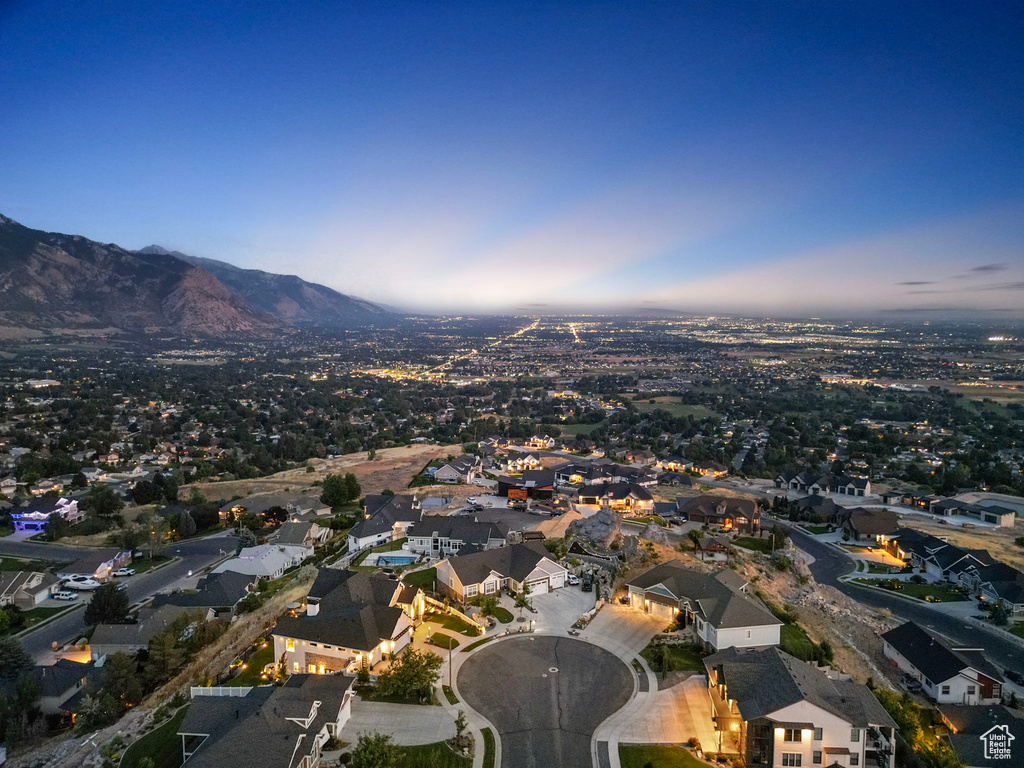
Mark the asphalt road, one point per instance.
(194, 555)
(830, 564)
(546, 696)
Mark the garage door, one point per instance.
(539, 586)
(557, 581)
(663, 611)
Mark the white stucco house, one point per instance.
(267, 561)
(488, 572)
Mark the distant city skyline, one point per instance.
(758, 159)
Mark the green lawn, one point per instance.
(163, 745)
(943, 593)
(453, 623)
(678, 410)
(16, 564)
(758, 545)
(143, 564)
(656, 756)
(579, 429)
(489, 747)
(450, 695)
(387, 546)
(477, 644)
(503, 615)
(681, 658)
(422, 579)
(817, 529)
(37, 615)
(657, 519)
(251, 674)
(1017, 629)
(878, 568)
(795, 642)
(444, 641)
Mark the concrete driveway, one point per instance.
(671, 716)
(622, 630)
(407, 724)
(545, 696)
(557, 610)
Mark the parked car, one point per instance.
(1015, 677)
(124, 572)
(910, 683)
(65, 594)
(572, 579)
(471, 499)
(588, 583)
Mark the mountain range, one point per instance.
(56, 282)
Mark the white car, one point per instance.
(572, 579)
(124, 572)
(64, 594)
(471, 499)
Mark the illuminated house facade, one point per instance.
(780, 712)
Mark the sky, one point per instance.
(778, 158)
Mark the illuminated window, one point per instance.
(792, 734)
(289, 645)
(295, 666)
(792, 759)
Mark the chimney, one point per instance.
(312, 606)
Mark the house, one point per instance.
(35, 516)
(61, 684)
(1001, 517)
(259, 504)
(385, 518)
(464, 469)
(540, 442)
(713, 549)
(581, 473)
(998, 583)
(937, 557)
(219, 592)
(488, 573)
(643, 457)
(983, 736)
(108, 639)
(674, 464)
(626, 498)
(814, 509)
(267, 561)
(532, 484)
(441, 536)
(98, 565)
(307, 534)
(718, 607)
(352, 621)
(711, 469)
(867, 524)
(522, 462)
(947, 675)
(8, 486)
(815, 483)
(725, 512)
(780, 712)
(25, 589)
(275, 726)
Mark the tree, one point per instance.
(165, 657)
(375, 750)
(523, 599)
(129, 538)
(411, 676)
(246, 538)
(460, 724)
(371, 454)
(335, 491)
(56, 527)
(778, 536)
(155, 529)
(838, 468)
(1000, 616)
(694, 536)
(352, 486)
(109, 605)
(186, 524)
(97, 711)
(121, 679)
(13, 659)
(102, 501)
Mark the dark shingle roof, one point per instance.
(936, 660)
(970, 723)
(384, 512)
(763, 682)
(515, 562)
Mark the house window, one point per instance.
(854, 758)
(855, 734)
(945, 690)
(471, 591)
(792, 734)
(816, 758)
(970, 690)
(313, 644)
(295, 666)
(311, 668)
(791, 759)
(289, 645)
(817, 734)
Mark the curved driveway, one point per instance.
(830, 564)
(546, 696)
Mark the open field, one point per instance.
(673, 406)
(393, 469)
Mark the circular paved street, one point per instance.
(545, 718)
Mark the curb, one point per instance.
(49, 620)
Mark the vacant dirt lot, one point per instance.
(393, 468)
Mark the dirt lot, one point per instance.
(100, 539)
(393, 468)
(998, 541)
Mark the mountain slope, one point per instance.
(51, 281)
(287, 297)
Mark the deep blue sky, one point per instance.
(762, 156)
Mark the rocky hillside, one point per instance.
(52, 282)
(287, 297)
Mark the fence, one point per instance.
(219, 690)
(431, 602)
